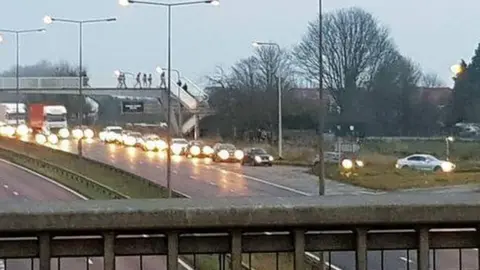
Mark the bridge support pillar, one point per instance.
(299, 253)
(361, 249)
(236, 245)
(423, 252)
(196, 130)
(108, 251)
(45, 251)
(172, 251)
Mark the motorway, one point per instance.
(201, 178)
(17, 184)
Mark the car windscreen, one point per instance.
(227, 147)
(179, 141)
(258, 151)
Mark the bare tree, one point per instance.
(354, 46)
(431, 80)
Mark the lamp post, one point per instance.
(80, 23)
(280, 128)
(448, 140)
(17, 61)
(169, 89)
(160, 70)
(321, 119)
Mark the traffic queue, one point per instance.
(219, 152)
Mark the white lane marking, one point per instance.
(145, 235)
(212, 183)
(90, 261)
(405, 259)
(46, 179)
(266, 182)
(5, 186)
(315, 257)
(180, 261)
(193, 177)
(175, 171)
(15, 193)
(2, 264)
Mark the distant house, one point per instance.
(437, 96)
(312, 95)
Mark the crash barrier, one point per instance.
(26, 149)
(235, 226)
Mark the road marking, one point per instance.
(212, 183)
(5, 186)
(175, 171)
(145, 235)
(2, 264)
(267, 182)
(193, 177)
(315, 257)
(405, 260)
(15, 193)
(180, 261)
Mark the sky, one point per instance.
(433, 33)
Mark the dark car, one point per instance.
(226, 152)
(198, 149)
(257, 156)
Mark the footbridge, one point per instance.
(194, 100)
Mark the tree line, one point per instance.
(365, 80)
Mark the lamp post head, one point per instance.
(117, 73)
(1, 38)
(450, 139)
(159, 69)
(256, 44)
(214, 2)
(47, 20)
(124, 3)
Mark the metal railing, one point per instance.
(245, 226)
(42, 82)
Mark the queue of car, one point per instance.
(220, 152)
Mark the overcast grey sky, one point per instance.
(434, 33)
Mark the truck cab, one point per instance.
(9, 114)
(48, 117)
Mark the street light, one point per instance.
(169, 86)
(280, 128)
(80, 23)
(17, 61)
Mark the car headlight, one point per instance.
(129, 141)
(161, 145)
(347, 164)
(258, 159)
(22, 130)
(9, 131)
(270, 158)
(102, 136)
(52, 138)
(195, 150)
(150, 145)
(447, 166)
(238, 154)
(40, 139)
(223, 154)
(63, 133)
(88, 133)
(359, 163)
(176, 149)
(77, 133)
(207, 150)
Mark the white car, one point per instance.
(178, 146)
(424, 163)
(111, 134)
